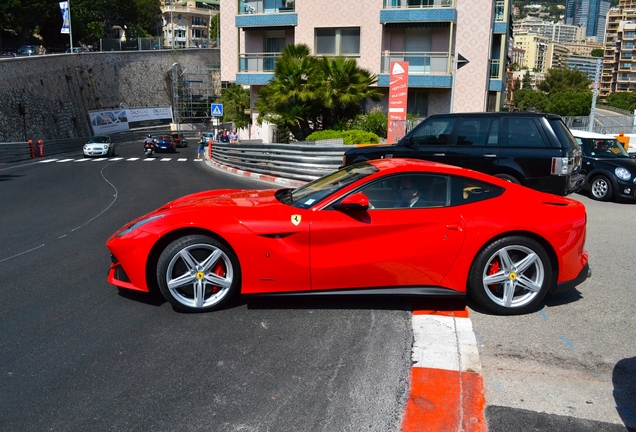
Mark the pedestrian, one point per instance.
(201, 148)
(225, 137)
(233, 137)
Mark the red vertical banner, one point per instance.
(398, 91)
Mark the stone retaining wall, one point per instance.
(59, 90)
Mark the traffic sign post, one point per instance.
(216, 110)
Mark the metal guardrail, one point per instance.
(304, 161)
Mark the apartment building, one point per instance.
(536, 51)
(186, 24)
(619, 62)
(432, 35)
(555, 32)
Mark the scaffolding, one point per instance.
(194, 89)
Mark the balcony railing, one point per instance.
(265, 6)
(434, 63)
(402, 4)
(495, 66)
(258, 62)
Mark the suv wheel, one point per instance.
(507, 177)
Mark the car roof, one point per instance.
(586, 134)
(499, 114)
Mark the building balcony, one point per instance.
(186, 10)
(258, 62)
(495, 69)
(265, 6)
(413, 11)
(428, 63)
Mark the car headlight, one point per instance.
(623, 173)
(137, 224)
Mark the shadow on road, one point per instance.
(624, 380)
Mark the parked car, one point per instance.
(31, 50)
(165, 143)
(78, 50)
(99, 145)
(179, 140)
(532, 149)
(610, 172)
(341, 234)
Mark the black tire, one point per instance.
(601, 188)
(517, 263)
(206, 279)
(508, 177)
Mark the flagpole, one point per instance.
(70, 31)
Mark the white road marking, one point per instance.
(166, 159)
(81, 160)
(64, 160)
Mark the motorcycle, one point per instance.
(149, 149)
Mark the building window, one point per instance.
(199, 34)
(199, 21)
(338, 41)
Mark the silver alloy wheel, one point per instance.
(199, 276)
(513, 276)
(599, 188)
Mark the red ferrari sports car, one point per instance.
(389, 227)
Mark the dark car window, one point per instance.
(408, 191)
(478, 131)
(434, 131)
(603, 148)
(523, 132)
(466, 191)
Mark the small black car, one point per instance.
(610, 172)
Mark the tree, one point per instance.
(557, 80)
(526, 82)
(215, 28)
(623, 100)
(309, 93)
(530, 100)
(236, 102)
(570, 102)
(597, 52)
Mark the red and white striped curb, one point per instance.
(447, 391)
(256, 176)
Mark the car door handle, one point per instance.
(439, 154)
(490, 155)
(454, 227)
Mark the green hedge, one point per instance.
(349, 137)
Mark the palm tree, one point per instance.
(309, 93)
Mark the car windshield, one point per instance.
(314, 192)
(98, 139)
(603, 148)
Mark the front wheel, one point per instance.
(510, 276)
(600, 188)
(508, 177)
(197, 273)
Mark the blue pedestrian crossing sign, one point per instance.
(216, 110)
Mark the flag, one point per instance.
(66, 17)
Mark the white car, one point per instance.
(99, 145)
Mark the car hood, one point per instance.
(627, 163)
(223, 198)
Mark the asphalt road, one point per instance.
(75, 354)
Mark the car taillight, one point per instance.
(560, 166)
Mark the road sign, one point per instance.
(216, 110)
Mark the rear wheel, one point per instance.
(601, 188)
(510, 276)
(197, 273)
(507, 177)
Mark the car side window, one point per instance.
(408, 191)
(523, 132)
(478, 131)
(434, 132)
(466, 191)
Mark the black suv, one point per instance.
(532, 149)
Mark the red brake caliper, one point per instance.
(218, 270)
(492, 269)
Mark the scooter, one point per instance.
(149, 149)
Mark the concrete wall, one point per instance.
(59, 90)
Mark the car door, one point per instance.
(383, 246)
(475, 144)
(428, 141)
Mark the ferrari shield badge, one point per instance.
(296, 219)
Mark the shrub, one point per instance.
(352, 136)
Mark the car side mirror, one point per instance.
(356, 201)
(408, 142)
